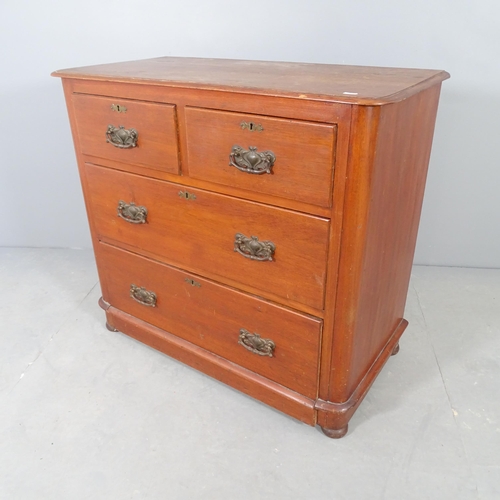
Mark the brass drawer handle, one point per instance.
(143, 296)
(254, 343)
(252, 248)
(122, 137)
(250, 161)
(135, 214)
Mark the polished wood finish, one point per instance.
(210, 316)
(350, 84)
(387, 171)
(299, 109)
(343, 213)
(395, 350)
(198, 234)
(335, 433)
(304, 153)
(156, 124)
(333, 416)
(247, 381)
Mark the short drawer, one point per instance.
(285, 158)
(128, 131)
(275, 342)
(273, 251)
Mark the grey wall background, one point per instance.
(39, 189)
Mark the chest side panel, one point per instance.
(386, 179)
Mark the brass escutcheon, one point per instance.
(253, 127)
(187, 195)
(192, 282)
(119, 108)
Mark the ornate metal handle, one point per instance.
(252, 248)
(132, 212)
(143, 296)
(254, 343)
(250, 161)
(122, 137)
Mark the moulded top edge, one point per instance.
(365, 85)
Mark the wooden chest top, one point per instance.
(336, 83)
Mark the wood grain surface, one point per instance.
(211, 316)
(338, 83)
(271, 393)
(304, 153)
(199, 234)
(385, 183)
(157, 145)
(342, 208)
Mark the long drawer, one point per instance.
(140, 133)
(278, 343)
(273, 251)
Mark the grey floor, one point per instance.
(90, 414)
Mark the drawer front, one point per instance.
(216, 318)
(284, 158)
(128, 131)
(197, 230)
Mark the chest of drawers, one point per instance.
(257, 220)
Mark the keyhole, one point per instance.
(251, 126)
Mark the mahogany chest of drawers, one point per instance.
(257, 220)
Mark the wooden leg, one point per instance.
(110, 328)
(335, 433)
(395, 350)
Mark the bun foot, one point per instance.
(335, 433)
(110, 328)
(395, 350)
